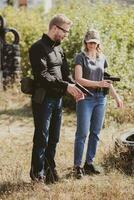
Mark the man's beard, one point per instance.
(57, 40)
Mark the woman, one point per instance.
(90, 65)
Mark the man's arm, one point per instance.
(73, 88)
(65, 70)
(40, 70)
(41, 74)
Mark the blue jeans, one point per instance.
(47, 122)
(90, 114)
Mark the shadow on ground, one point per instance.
(8, 187)
(24, 111)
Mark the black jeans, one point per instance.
(47, 122)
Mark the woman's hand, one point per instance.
(104, 83)
(119, 102)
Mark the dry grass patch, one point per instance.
(16, 131)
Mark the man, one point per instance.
(52, 81)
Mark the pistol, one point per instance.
(109, 77)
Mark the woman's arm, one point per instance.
(114, 94)
(89, 83)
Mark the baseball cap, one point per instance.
(92, 35)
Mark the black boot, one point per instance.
(78, 172)
(90, 169)
(51, 176)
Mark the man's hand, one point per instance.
(74, 91)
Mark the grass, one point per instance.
(16, 131)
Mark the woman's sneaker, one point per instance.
(78, 172)
(90, 169)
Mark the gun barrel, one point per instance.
(83, 89)
(111, 78)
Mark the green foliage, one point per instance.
(115, 24)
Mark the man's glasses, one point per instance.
(64, 31)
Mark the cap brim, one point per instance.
(93, 40)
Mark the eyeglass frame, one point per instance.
(64, 31)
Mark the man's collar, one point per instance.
(49, 41)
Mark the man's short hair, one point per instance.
(59, 20)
